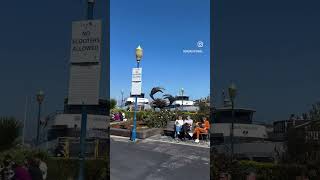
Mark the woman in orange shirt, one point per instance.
(201, 129)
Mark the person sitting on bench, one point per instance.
(187, 127)
(189, 121)
(178, 126)
(201, 128)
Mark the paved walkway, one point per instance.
(168, 139)
(153, 159)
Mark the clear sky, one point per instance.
(271, 49)
(34, 52)
(163, 28)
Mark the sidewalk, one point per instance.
(150, 160)
(165, 139)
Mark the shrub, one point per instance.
(9, 132)
(264, 171)
(113, 103)
(60, 168)
(195, 116)
(21, 154)
(141, 115)
(159, 119)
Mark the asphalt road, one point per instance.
(158, 161)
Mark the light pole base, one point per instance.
(133, 136)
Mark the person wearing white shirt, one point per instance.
(187, 127)
(44, 169)
(178, 125)
(189, 121)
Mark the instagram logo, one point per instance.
(200, 44)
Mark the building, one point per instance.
(281, 127)
(244, 129)
(142, 102)
(67, 123)
(183, 103)
(250, 139)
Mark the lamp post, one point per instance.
(40, 98)
(24, 121)
(139, 54)
(182, 91)
(232, 94)
(83, 131)
(122, 91)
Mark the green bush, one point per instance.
(263, 171)
(195, 116)
(159, 119)
(62, 169)
(113, 103)
(9, 132)
(20, 154)
(141, 115)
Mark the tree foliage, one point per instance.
(314, 113)
(299, 148)
(113, 103)
(296, 147)
(204, 108)
(9, 132)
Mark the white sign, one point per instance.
(136, 88)
(136, 74)
(84, 85)
(86, 41)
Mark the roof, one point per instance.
(235, 109)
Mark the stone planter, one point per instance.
(141, 133)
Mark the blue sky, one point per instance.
(35, 49)
(34, 52)
(163, 29)
(270, 49)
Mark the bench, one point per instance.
(169, 129)
(206, 135)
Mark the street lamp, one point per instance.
(182, 91)
(40, 98)
(232, 94)
(122, 91)
(83, 131)
(139, 54)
